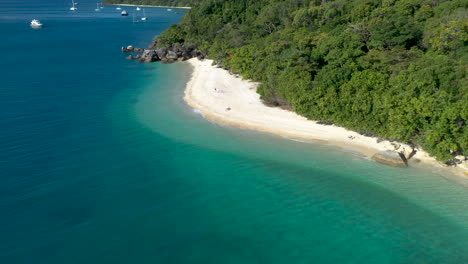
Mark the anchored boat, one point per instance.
(36, 23)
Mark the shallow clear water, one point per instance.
(102, 162)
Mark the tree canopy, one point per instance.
(391, 68)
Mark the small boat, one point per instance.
(73, 8)
(36, 23)
(144, 18)
(119, 8)
(97, 7)
(169, 9)
(138, 8)
(124, 13)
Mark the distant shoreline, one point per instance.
(229, 100)
(182, 7)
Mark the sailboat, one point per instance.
(119, 8)
(144, 18)
(97, 7)
(36, 23)
(73, 8)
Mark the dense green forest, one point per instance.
(184, 3)
(391, 68)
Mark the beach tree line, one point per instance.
(390, 68)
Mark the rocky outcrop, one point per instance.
(130, 48)
(172, 55)
(148, 56)
(392, 158)
(176, 52)
(153, 45)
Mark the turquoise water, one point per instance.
(102, 162)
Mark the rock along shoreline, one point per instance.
(176, 52)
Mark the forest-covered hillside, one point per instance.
(391, 68)
(184, 3)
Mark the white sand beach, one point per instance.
(230, 100)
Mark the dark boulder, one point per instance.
(151, 56)
(185, 55)
(194, 53)
(177, 48)
(161, 52)
(148, 56)
(167, 60)
(172, 55)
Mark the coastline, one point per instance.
(229, 100)
(182, 7)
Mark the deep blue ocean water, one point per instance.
(102, 162)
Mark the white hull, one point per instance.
(73, 8)
(36, 24)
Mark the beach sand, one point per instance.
(229, 100)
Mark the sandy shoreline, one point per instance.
(184, 7)
(228, 100)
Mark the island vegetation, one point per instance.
(390, 68)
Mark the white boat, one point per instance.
(119, 8)
(169, 9)
(124, 13)
(73, 8)
(138, 8)
(97, 7)
(36, 23)
(144, 18)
